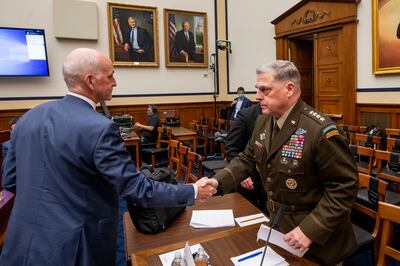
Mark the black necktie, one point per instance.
(275, 130)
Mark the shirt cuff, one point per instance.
(196, 190)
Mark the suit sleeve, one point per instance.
(235, 139)
(114, 163)
(339, 176)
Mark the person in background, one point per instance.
(67, 165)
(137, 42)
(184, 42)
(239, 103)
(149, 132)
(305, 166)
(235, 142)
(6, 145)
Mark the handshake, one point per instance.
(206, 188)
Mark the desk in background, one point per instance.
(219, 243)
(181, 134)
(135, 142)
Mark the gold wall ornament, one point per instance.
(310, 16)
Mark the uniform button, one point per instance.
(289, 171)
(270, 193)
(269, 179)
(269, 165)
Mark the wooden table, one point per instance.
(181, 134)
(134, 141)
(220, 243)
(6, 204)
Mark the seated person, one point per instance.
(239, 103)
(6, 145)
(149, 132)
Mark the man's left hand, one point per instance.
(297, 239)
(140, 51)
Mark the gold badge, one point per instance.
(291, 183)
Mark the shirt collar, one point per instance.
(86, 99)
(283, 117)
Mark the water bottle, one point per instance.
(201, 258)
(177, 260)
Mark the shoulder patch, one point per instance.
(330, 131)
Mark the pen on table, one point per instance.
(251, 219)
(250, 256)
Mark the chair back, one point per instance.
(222, 125)
(363, 157)
(388, 165)
(173, 155)
(350, 131)
(164, 136)
(201, 137)
(389, 215)
(392, 132)
(374, 142)
(183, 161)
(195, 170)
(392, 143)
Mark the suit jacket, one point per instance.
(68, 165)
(309, 170)
(142, 39)
(4, 148)
(245, 104)
(241, 131)
(188, 46)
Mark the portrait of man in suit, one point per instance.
(137, 42)
(184, 42)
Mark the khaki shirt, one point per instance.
(309, 168)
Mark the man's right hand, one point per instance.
(247, 183)
(126, 47)
(207, 187)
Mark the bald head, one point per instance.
(79, 63)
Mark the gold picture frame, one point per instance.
(386, 36)
(133, 35)
(185, 48)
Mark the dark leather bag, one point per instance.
(154, 220)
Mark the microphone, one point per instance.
(277, 219)
(224, 44)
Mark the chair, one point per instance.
(392, 143)
(368, 141)
(201, 138)
(173, 155)
(392, 132)
(364, 158)
(183, 161)
(388, 167)
(389, 215)
(164, 137)
(376, 192)
(195, 170)
(350, 131)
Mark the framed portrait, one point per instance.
(185, 38)
(133, 35)
(386, 36)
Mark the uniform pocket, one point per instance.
(292, 181)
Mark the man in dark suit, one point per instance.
(137, 42)
(68, 166)
(239, 103)
(184, 42)
(235, 142)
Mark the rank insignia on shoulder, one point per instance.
(330, 131)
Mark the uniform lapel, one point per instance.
(287, 129)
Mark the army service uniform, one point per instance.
(308, 169)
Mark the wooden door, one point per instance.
(301, 54)
(329, 74)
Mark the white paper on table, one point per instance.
(271, 258)
(251, 219)
(212, 218)
(277, 239)
(167, 258)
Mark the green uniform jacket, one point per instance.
(309, 168)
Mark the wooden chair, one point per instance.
(173, 156)
(368, 240)
(392, 132)
(350, 131)
(364, 158)
(374, 142)
(183, 162)
(391, 143)
(164, 137)
(195, 170)
(389, 216)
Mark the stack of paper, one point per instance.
(254, 258)
(212, 218)
(251, 219)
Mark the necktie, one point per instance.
(275, 130)
(187, 36)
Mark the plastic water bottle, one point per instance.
(177, 260)
(201, 258)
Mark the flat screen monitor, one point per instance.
(23, 52)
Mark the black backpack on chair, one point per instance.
(154, 220)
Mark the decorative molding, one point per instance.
(310, 16)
